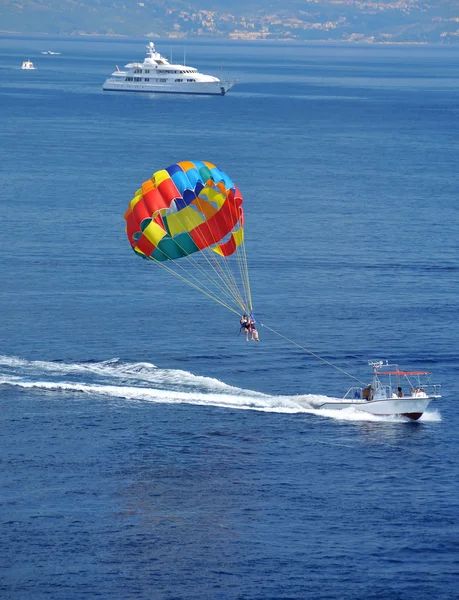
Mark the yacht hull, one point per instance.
(196, 89)
(410, 407)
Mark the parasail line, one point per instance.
(235, 293)
(312, 353)
(200, 286)
(193, 261)
(230, 292)
(209, 295)
(219, 268)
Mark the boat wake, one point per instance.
(144, 382)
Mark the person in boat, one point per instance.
(400, 393)
(366, 393)
(245, 325)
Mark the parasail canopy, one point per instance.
(188, 218)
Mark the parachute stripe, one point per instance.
(217, 227)
(168, 191)
(176, 221)
(145, 246)
(154, 201)
(159, 177)
(140, 211)
(181, 182)
(154, 233)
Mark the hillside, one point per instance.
(339, 20)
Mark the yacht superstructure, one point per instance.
(157, 75)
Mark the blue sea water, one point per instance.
(147, 451)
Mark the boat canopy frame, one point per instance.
(418, 382)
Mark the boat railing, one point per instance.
(354, 393)
(382, 391)
(386, 391)
(431, 389)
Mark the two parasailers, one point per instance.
(248, 326)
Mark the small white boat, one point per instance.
(27, 65)
(50, 52)
(158, 76)
(387, 397)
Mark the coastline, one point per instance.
(84, 34)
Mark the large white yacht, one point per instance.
(157, 75)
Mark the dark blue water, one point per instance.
(146, 450)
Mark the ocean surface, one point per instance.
(147, 451)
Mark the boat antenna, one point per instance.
(312, 353)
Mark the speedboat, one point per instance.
(157, 75)
(385, 395)
(50, 52)
(27, 65)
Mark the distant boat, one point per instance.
(157, 75)
(388, 399)
(50, 52)
(27, 65)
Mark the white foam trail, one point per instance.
(257, 401)
(139, 371)
(191, 389)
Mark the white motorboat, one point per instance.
(27, 65)
(387, 397)
(51, 53)
(158, 76)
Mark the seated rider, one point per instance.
(253, 330)
(245, 325)
(400, 393)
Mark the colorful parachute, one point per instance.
(189, 219)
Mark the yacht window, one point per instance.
(147, 70)
(163, 80)
(191, 79)
(179, 80)
(137, 78)
(147, 79)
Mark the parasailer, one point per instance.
(188, 219)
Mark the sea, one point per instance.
(147, 450)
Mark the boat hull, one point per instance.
(410, 407)
(195, 89)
